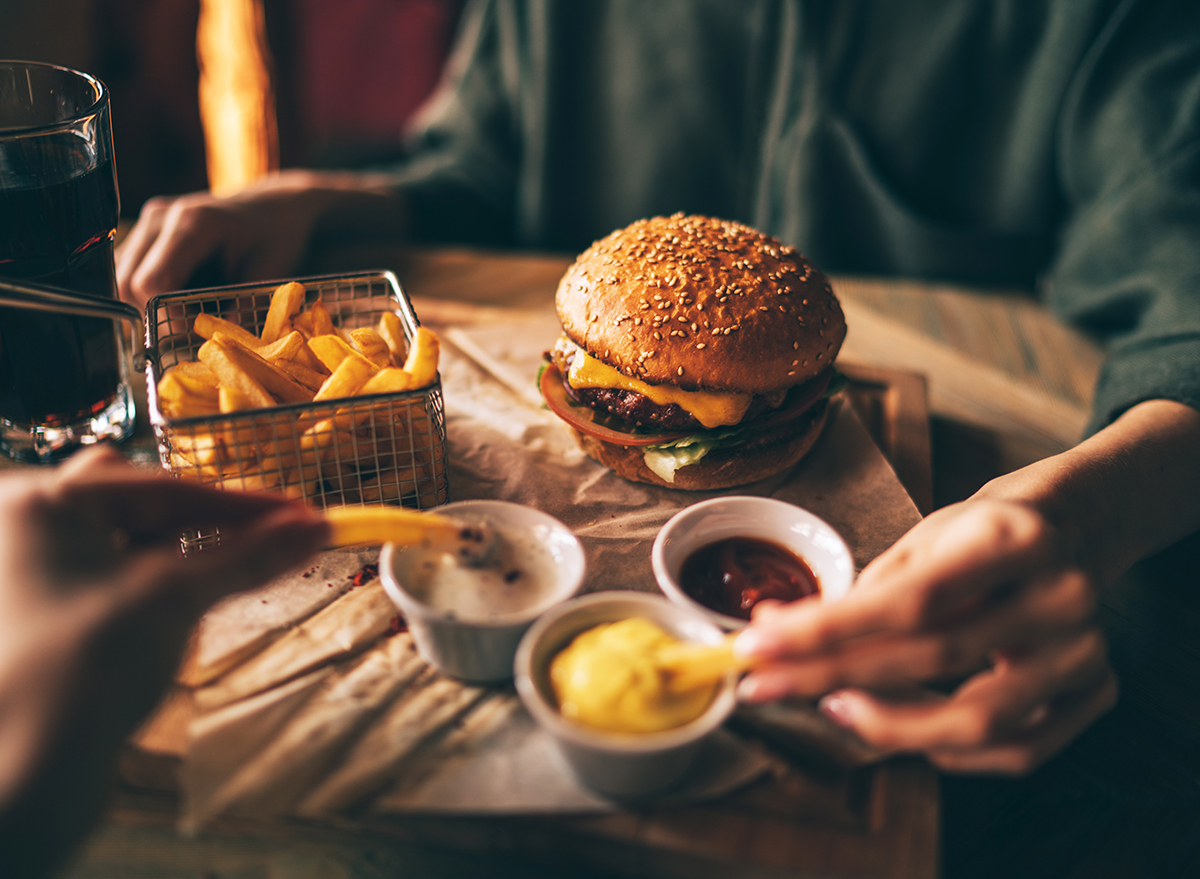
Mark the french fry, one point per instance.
(303, 323)
(388, 380)
(230, 370)
(331, 350)
(305, 357)
(350, 375)
(201, 448)
(322, 323)
(266, 376)
(286, 347)
(392, 332)
(195, 370)
(206, 326)
(372, 526)
(286, 301)
(302, 375)
(372, 346)
(422, 361)
(178, 397)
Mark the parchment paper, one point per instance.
(492, 758)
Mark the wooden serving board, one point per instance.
(810, 817)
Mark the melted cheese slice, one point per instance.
(710, 408)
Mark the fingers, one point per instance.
(97, 494)
(1027, 751)
(178, 236)
(946, 567)
(1009, 718)
(257, 552)
(1047, 609)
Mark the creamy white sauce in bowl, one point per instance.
(467, 620)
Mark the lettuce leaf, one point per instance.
(665, 458)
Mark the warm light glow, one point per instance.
(237, 104)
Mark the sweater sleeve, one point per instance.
(1128, 265)
(459, 184)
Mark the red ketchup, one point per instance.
(732, 575)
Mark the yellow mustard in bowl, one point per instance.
(612, 677)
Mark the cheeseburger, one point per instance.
(697, 353)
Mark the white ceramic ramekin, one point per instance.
(619, 765)
(792, 527)
(481, 650)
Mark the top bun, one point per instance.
(702, 304)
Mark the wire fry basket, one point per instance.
(377, 448)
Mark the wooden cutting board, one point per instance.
(811, 817)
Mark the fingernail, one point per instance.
(838, 708)
(757, 688)
(748, 643)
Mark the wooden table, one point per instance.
(1007, 386)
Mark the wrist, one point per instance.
(1122, 494)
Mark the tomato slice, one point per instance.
(582, 417)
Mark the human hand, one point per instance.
(96, 602)
(986, 588)
(258, 233)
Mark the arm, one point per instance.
(1000, 588)
(96, 602)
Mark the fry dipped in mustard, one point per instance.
(612, 677)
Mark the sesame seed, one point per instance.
(795, 346)
(792, 372)
(658, 335)
(795, 362)
(681, 370)
(700, 346)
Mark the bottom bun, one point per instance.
(721, 468)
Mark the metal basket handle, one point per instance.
(36, 297)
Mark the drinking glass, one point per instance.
(64, 379)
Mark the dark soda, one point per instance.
(58, 369)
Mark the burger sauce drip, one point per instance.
(732, 575)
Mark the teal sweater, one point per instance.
(1053, 145)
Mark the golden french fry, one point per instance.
(200, 448)
(371, 526)
(286, 301)
(350, 375)
(266, 376)
(392, 332)
(197, 371)
(303, 323)
(286, 347)
(692, 665)
(371, 345)
(206, 326)
(322, 323)
(422, 362)
(302, 375)
(388, 380)
(230, 371)
(305, 357)
(331, 350)
(178, 397)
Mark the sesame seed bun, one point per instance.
(702, 304)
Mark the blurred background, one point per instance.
(344, 77)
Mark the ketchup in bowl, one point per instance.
(732, 575)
